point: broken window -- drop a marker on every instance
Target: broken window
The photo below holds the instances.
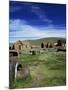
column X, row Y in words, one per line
column 19, row 47
column 19, row 67
column 13, row 54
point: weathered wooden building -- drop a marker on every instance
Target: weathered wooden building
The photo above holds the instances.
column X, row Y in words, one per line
column 20, row 45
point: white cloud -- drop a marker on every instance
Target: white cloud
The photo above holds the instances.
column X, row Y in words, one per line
column 40, row 13
column 16, row 24
column 34, row 8
column 20, row 30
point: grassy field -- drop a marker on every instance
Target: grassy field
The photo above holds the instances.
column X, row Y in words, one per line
column 46, row 69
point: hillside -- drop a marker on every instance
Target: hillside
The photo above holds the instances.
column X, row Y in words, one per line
column 45, row 40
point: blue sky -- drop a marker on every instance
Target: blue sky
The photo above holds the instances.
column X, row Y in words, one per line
column 36, row 20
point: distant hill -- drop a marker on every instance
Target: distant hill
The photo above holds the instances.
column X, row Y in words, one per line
column 45, row 40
